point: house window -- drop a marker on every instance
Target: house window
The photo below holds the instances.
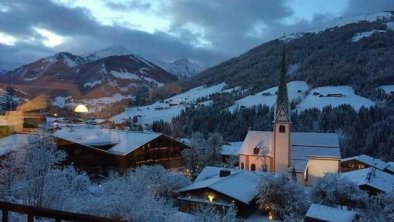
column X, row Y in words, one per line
column 242, row 166
column 282, row 129
column 253, row 167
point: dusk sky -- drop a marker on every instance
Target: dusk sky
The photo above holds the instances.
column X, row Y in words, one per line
column 205, row 31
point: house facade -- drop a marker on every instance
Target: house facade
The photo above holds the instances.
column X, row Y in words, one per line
column 98, row 151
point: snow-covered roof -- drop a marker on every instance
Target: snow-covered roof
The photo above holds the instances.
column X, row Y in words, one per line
column 240, row 185
column 231, row 148
column 123, row 142
column 12, row 143
column 303, row 145
column 331, row 214
column 379, row 180
column 373, row 162
column 256, row 138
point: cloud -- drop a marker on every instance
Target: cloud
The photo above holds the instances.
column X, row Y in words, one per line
column 205, row 31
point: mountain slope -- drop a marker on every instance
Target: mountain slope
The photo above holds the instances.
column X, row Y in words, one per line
column 328, row 57
column 182, row 68
column 116, row 50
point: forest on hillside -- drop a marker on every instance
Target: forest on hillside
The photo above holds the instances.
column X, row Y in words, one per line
column 369, row 131
column 325, row 58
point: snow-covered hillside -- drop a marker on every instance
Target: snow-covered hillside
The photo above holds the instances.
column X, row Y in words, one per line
column 182, row 68
column 387, row 88
column 169, row 108
column 333, row 96
column 296, row 89
column 115, row 50
column 342, row 21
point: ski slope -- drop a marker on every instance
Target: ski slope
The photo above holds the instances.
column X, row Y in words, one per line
column 296, row 89
column 319, row 98
column 169, row 108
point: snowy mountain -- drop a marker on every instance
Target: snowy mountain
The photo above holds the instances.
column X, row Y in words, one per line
column 116, row 50
column 182, row 68
column 69, row 78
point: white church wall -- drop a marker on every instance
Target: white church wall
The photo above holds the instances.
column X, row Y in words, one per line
column 318, row 166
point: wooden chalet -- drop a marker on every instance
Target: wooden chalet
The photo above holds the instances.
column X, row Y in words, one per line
column 98, row 151
column 364, row 161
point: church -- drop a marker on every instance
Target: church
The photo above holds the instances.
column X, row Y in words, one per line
column 305, row 156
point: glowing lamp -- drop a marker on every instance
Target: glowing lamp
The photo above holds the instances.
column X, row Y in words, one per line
column 81, row 109
column 270, row 215
column 210, row 197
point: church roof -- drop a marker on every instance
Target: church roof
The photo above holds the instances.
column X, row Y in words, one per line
column 303, row 145
column 282, row 99
column 256, row 138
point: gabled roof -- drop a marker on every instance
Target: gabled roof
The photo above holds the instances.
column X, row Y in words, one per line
column 231, row 148
column 373, row 162
column 13, row 142
column 240, row 185
column 256, row 138
column 325, row 213
column 379, row 180
column 123, row 142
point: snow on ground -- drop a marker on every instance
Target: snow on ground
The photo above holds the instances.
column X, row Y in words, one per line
column 387, row 88
column 60, row 101
column 92, row 84
column 390, row 25
column 348, row 20
column 296, row 89
column 358, row 36
column 319, row 98
column 125, row 75
column 169, row 108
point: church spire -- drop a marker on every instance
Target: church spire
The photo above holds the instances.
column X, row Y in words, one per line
column 282, row 100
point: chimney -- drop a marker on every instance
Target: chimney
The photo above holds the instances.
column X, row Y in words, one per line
column 224, row 172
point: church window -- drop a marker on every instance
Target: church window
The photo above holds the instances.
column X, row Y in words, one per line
column 253, row 167
column 282, row 129
column 242, row 166
column 256, row 150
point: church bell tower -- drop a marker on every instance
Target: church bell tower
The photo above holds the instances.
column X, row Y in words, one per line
column 282, row 123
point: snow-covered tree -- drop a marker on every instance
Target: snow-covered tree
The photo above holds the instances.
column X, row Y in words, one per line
column 332, row 190
column 282, row 197
column 139, row 195
column 211, row 214
column 38, row 159
column 379, row 208
column 196, row 156
column 215, row 142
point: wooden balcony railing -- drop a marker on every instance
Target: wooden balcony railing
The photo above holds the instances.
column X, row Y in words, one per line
column 57, row 215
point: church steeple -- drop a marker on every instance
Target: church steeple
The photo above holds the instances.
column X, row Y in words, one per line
column 282, row 99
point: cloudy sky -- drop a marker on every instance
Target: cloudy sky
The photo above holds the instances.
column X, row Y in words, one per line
column 206, row 31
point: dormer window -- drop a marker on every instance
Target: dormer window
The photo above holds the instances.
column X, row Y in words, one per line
column 256, row 150
column 282, row 129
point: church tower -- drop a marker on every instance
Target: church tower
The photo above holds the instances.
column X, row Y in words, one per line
column 282, row 124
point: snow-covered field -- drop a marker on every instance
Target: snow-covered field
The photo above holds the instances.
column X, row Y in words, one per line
column 319, row 98
column 362, row 35
column 169, row 108
column 296, row 89
column 387, row 88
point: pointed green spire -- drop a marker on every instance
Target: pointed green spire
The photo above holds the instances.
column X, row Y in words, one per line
column 282, row 99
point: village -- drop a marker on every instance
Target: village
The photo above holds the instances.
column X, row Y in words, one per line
column 249, row 178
